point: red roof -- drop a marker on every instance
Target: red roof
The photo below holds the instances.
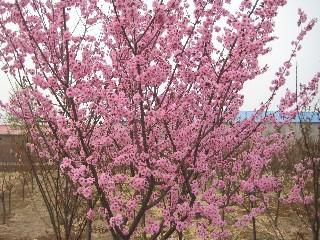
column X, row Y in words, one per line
column 8, row 130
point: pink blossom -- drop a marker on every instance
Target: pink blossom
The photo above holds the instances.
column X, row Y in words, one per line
column 90, row 214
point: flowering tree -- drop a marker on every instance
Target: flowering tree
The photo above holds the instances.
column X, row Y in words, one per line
column 138, row 105
column 304, row 195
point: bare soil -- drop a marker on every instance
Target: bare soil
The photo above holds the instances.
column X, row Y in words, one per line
column 29, row 220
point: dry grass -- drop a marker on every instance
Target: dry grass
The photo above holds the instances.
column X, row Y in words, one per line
column 29, row 220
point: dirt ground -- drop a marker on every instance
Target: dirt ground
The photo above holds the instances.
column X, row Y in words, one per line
column 29, row 220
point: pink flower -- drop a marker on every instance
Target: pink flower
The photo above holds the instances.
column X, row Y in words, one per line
column 90, row 214
column 302, row 17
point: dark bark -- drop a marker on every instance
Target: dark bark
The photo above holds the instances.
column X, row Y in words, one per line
column 2, row 196
column 89, row 221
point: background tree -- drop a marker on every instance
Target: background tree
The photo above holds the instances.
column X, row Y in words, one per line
column 304, row 194
column 66, row 209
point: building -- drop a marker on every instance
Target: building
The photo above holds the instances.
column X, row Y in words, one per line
column 9, row 144
column 309, row 121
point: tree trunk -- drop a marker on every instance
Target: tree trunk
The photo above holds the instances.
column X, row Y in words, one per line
column 254, row 230
column 277, row 211
column 3, row 208
column 23, row 184
column 32, row 182
column 89, row 221
column 315, row 233
column 10, row 201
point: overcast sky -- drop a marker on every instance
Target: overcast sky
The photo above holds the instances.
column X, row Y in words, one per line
column 308, row 58
column 256, row 91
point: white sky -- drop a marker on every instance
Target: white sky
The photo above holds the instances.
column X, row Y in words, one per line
column 308, row 58
column 257, row 91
